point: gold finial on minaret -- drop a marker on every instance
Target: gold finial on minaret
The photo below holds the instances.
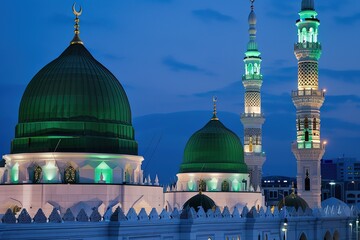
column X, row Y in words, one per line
column 214, row 111
column 76, row 39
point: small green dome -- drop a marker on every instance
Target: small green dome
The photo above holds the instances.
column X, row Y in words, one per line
column 200, row 200
column 293, row 200
column 214, row 148
column 74, row 104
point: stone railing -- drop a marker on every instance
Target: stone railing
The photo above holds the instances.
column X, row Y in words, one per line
column 255, row 115
column 307, row 45
column 309, row 92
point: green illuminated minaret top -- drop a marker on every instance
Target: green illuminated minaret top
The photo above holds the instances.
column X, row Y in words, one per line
column 308, row 49
column 252, row 48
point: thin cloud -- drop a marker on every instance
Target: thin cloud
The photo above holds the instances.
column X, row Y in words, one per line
column 210, row 15
column 178, row 66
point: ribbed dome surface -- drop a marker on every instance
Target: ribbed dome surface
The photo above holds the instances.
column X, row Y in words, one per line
column 200, row 200
column 214, row 148
column 76, row 99
column 307, row 5
column 295, row 201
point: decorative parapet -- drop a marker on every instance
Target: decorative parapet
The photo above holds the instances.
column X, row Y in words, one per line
column 307, row 46
column 189, row 213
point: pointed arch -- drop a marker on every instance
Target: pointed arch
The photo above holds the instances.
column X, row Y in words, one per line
column 314, row 124
column 15, row 173
column 303, row 237
column 37, row 174
column 250, row 69
column 336, row 235
column 225, row 186
column 307, row 181
column 202, row 185
column 306, row 122
column 103, row 173
column 327, row 236
column 306, row 136
column 70, row 174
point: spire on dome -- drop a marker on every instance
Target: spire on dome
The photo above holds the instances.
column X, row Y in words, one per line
column 76, row 39
column 214, row 111
column 307, row 5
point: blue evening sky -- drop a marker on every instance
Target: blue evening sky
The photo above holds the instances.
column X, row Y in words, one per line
column 172, row 56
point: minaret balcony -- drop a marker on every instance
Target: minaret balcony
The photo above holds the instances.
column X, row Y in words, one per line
column 309, row 98
column 252, row 115
column 308, row 92
column 252, row 77
column 308, row 145
column 307, row 46
column 252, row 119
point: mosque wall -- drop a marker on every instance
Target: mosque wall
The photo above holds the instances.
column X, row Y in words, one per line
column 77, row 196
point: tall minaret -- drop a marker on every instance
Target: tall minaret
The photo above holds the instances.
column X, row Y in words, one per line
column 308, row 99
column 253, row 118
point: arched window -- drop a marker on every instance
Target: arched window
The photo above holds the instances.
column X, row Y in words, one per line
column 303, row 35
column 70, row 174
column 225, row 186
column 250, row 144
column 327, row 236
column 306, row 135
column 314, row 124
column 250, row 69
column 307, row 181
column 311, row 35
column 37, row 174
column 256, row 68
column 306, row 123
column 336, row 235
column 202, row 185
column 303, row 236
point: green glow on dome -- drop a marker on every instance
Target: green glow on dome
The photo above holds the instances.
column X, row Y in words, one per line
column 106, row 171
column 74, row 104
column 214, row 148
column 15, row 173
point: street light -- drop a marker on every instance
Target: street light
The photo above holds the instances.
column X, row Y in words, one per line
column 284, row 228
column 350, row 225
column 357, row 229
column 332, row 190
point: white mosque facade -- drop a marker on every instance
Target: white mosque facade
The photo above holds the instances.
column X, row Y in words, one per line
column 74, row 171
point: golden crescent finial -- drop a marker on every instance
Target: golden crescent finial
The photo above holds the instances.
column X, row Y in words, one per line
column 76, row 13
column 214, row 111
column 76, row 38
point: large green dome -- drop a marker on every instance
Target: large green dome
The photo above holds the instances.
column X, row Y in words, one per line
column 74, row 104
column 214, row 148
